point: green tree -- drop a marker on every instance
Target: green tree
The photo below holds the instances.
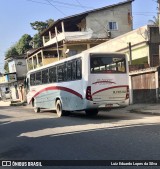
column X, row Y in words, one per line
column 50, row 22
column 155, row 21
column 12, row 51
column 23, row 44
column 36, row 41
column 40, row 25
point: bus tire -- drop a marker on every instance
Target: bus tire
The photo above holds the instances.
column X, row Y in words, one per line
column 36, row 109
column 91, row 112
column 59, row 110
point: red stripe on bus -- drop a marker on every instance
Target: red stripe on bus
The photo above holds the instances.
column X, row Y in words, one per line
column 108, row 89
column 58, row 88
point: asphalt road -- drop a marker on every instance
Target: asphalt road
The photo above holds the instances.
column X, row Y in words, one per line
column 114, row 135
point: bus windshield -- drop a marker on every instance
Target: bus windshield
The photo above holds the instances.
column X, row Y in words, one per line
column 107, row 63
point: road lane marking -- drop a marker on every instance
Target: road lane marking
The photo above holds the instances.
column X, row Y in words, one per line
column 65, row 130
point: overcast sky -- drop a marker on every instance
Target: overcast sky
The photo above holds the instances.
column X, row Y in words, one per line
column 16, row 15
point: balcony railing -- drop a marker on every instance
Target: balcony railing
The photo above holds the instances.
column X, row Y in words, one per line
column 69, row 36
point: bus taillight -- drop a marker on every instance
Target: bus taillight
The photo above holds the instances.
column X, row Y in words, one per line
column 127, row 94
column 88, row 93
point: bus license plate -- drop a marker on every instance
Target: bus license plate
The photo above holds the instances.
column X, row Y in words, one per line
column 109, row 105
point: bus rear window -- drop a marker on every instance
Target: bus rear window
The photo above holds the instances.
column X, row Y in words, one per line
column 110, row 63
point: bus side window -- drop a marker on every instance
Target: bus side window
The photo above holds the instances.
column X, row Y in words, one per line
column 52, row 75
column 32, row 79
column 69, row 71
column 38, row 78
column 60, row 73
column 74, row 70
column 78, row 69
column 45, row 76
column 65, row 72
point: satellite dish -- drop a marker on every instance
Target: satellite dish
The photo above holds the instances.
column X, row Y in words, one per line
column 67, row 51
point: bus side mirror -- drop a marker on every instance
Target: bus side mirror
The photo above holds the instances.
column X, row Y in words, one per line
column 26, row 85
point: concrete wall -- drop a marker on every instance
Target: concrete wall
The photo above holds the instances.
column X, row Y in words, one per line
column 98, row 21
column 79, row 48
column 3, row 79
column 21, row 67
column 140, row 52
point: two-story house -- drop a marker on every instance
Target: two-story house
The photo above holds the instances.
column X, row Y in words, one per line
column 15, row 77
column 74, row 34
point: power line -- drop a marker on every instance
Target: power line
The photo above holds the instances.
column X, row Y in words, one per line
column 62, row 4
column 144, row 12
column 79, row 3
column 69, row 4
column 142, row 15
column 82, row 6
column 55, row 7
column 38, row 2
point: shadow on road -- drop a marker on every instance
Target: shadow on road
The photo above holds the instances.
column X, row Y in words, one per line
column 110, row 135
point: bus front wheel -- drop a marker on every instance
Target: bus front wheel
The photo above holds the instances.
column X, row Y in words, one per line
column 36, row 109
column 59, row 109
column 91, row 112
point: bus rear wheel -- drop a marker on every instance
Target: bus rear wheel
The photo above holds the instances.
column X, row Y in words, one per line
column 59, row 110
column 91, row 112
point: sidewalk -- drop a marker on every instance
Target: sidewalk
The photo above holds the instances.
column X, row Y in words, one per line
column 5, row 103
column 12, row 103
column 148, row 108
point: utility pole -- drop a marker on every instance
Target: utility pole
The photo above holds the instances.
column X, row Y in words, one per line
column 130, row 53
column 158, row 1
column 57, row 42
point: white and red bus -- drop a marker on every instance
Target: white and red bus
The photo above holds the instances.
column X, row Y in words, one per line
column 86, row 81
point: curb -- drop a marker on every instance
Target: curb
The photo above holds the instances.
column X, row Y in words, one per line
column 18, row 104
column 142, row 112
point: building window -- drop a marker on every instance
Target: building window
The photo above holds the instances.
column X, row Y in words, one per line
column 113, row 25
